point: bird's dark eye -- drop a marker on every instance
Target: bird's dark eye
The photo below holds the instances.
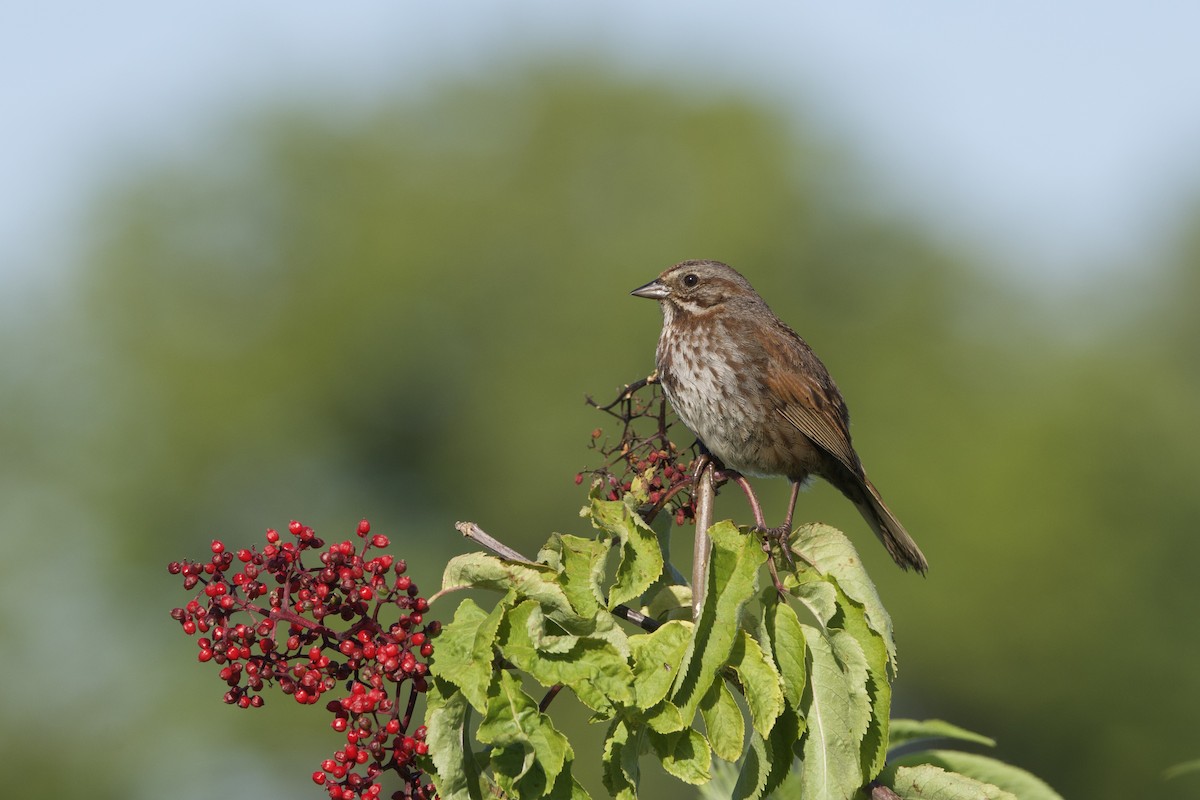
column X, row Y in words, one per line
column 690, row 280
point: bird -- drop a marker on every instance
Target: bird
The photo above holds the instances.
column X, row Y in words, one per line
column 758, row 398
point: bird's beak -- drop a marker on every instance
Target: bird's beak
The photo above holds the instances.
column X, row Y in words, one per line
column 654, row 290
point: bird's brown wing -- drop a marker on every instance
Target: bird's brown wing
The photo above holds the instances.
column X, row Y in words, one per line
column 811, row 402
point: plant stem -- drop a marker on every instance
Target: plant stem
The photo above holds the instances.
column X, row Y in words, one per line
column 700, row 553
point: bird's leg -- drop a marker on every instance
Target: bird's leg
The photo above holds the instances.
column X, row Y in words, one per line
column 787, row 521
column 760, row 524
column 784, row 532
column 756, row 509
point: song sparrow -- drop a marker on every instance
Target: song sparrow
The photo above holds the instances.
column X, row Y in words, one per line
column 756, row 395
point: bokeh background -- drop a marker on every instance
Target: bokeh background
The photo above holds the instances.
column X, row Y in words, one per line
column 276, row 261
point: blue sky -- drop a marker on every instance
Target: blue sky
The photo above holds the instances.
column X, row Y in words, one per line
column 1061, row 137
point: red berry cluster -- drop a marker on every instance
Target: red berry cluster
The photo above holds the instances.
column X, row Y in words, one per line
column 355, row 619
column 644, row 445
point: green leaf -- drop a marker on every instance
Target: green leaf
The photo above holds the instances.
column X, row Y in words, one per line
column 684, row 754
column 665, row 718
column 723, row 722
column 878, row 687
column 904, row 731
column 769, row 761
column 782, row 745
column 732, row 581
column 581, row 563
column 641, row 560
column 592, row 668
column 528, row 748
column 1008, row 781
column 759, row 680
column 787, row 644
column 446, row 714
column 756, row 769
column 567, row 787
column 818, row 595
column 927, row 782
column 535, row 581
column 621, row 771
column 656, row 660
column 838, row 713
column 464, row 652
column 667, row 598
column 831, row 553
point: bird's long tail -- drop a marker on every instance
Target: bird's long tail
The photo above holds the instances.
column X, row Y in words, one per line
column 899, row 544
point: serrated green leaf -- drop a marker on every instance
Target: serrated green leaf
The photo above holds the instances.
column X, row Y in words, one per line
column 656, row 660
column 621, row 770
column 446, row 714
column 464, row 651
column 760, row 682
column 878, row 688
column 831, row 553
column 641, row 561
column 732, row 580
column 837, row 713
column 783, row 745
column 787, row 643
column 581, row 563
column 928, row 782
column 684, row 754
column 592, row 668
column 528, row 748
column 567, row 787
column 667, row 598
column 1007, row 780
column 756, row 768
column 723, row 722
column 904, row 731
column 818, row 595
column 535, row 581
column 602, row 626
column 664, row 718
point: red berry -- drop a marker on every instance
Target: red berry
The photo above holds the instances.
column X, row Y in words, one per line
column 364, row 527
column 318, row 778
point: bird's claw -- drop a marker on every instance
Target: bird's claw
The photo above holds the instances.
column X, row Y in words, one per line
column 779, row 536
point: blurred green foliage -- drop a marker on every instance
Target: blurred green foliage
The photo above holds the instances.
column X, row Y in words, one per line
column 395, row 312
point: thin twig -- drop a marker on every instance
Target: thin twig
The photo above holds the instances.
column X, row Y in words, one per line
column 478, row 534
column 549, row 698
column 626, row 393
column 881, row 792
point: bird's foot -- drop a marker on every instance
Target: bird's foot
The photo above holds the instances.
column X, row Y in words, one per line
column 780, row 536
